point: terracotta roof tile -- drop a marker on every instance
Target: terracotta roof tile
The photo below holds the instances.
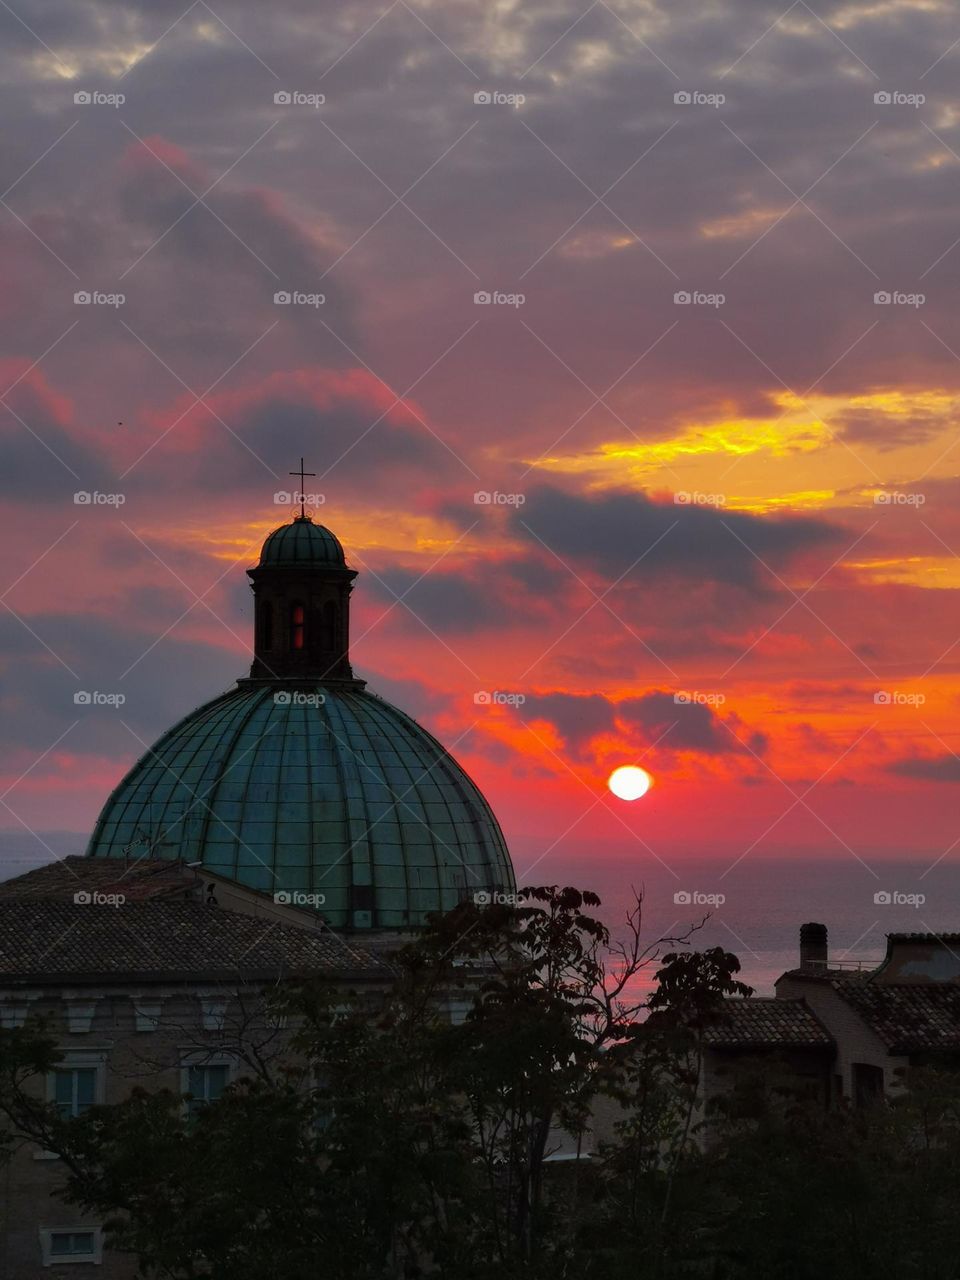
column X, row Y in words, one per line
column 908, row 1017
column 139, row 879
column 763, row 1021
column 44, row 939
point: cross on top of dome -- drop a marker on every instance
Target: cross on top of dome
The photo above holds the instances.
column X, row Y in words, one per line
column 303, row 475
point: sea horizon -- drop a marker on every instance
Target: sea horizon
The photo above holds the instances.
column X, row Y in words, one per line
column 754, row 909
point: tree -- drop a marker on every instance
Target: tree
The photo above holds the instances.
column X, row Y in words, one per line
column 397, row 1141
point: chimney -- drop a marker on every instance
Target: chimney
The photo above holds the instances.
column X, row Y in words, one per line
column 813, row 947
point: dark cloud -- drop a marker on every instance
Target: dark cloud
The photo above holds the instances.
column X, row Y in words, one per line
column 674, row 723
column 683, row 723
column 577, row 719
column 43, row 461
column 623, row 533
column 486, row 595
column 37, row 691
column 945, row 768
column 888, row 431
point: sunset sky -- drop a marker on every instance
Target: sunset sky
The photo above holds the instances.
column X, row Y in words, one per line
column 751, row 498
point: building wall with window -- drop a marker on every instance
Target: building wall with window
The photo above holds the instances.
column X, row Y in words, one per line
column 863, row 1065
column 191, row 1039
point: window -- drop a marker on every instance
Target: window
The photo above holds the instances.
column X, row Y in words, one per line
column 297, row 626
column 205, row 1082
column 867, row 1084
column 265, row 625
column 80, row 1015
column 70, row 1244
column 330, row 626
column 147, row 1014
column 75, row 1085
column 74, row 1090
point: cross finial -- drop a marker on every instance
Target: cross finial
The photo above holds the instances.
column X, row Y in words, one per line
column 303, row 475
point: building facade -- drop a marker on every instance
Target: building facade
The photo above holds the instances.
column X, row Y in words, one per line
column 296, row 827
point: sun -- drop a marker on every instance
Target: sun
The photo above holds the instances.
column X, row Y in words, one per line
column 629, row 782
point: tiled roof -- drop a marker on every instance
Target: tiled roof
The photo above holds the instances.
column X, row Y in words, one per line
column 137, row 880
column 923, row 937
column 832, row 975
column 44, row 939
column 765, row 1021
column 908, row 1017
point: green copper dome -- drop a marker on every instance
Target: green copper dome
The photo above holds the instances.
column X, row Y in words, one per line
column 302, row 542
column 300, row 783
column 317, row 791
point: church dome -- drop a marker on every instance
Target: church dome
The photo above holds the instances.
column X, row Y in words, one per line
column 303, row 542
column 317, row 792
column 299, row 782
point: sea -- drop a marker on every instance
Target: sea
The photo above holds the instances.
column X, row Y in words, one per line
column 753, row 909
